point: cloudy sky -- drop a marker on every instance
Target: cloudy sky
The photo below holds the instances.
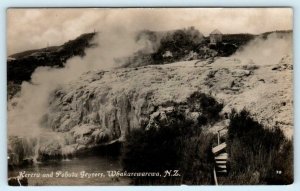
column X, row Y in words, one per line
column 35, row 28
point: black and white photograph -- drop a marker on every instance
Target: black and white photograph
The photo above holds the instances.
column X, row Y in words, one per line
column 150, row 96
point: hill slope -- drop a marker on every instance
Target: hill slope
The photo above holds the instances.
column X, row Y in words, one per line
column 20, row 66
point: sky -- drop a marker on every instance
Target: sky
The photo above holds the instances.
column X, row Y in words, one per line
column 36, row 28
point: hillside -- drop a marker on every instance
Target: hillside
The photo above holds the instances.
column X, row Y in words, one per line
column 21, row 65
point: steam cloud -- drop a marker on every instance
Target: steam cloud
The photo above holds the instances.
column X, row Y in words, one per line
column 266, row 51
column 114, row 39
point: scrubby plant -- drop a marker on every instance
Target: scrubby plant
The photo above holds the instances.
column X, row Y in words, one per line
column 206, row 105
column 176, row 147
column 179, row 43
column 258, row 155
column 180, row 144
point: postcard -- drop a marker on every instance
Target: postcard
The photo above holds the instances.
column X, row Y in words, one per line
column 150, row 96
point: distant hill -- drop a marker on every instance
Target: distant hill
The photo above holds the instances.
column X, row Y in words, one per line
column 21, row 65
column 21, row 55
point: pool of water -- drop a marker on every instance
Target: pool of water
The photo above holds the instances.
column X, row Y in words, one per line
column 84, row 170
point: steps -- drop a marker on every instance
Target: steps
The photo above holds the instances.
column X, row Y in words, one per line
column 222, row 166
column 221, row 157
column 219, row 148
column 221, row 163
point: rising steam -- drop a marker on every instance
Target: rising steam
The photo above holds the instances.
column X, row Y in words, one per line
column 26, row 111
column 268, row 50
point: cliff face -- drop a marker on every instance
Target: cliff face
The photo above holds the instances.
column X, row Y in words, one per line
column 103, row 106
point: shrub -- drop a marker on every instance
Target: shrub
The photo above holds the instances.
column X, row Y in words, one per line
column 257, row 151
column 170, row 148
column 179, row 43
column 206, row 105
column 180, row 144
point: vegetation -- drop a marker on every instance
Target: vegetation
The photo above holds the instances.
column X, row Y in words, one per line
column 237, row 39
column 207, row 105
column 12, row 89
column 179, row 43
column 187, row 44
column 180, row 144
column 183, row 44
column 278, row 33
column 257, row 155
